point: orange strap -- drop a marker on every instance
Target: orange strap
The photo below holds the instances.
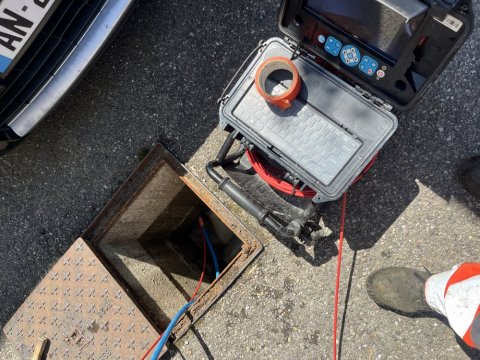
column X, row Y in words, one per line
column 284, row 100
column 464, row 272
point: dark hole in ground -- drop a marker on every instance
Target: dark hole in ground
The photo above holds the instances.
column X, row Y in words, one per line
column 175, row 242
column 161, row 257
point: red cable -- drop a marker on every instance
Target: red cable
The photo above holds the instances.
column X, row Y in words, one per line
column 274, row 182
column 287, row 188
column 152, row 347
column 200, row 281
column 195, row 292
column 339, row 269
column 284, row 186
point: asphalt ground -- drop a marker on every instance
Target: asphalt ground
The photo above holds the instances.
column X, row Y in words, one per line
column 159, row 81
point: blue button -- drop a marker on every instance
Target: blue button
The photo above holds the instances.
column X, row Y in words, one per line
column 332, row 46
column 368, row 66
column 350, row 55
column 321, row 39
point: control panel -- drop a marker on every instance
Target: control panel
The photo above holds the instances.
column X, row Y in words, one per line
column 369, row 66
column 351, row 57
column 392, row 49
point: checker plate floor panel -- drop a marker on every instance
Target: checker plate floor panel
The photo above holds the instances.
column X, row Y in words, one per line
column 83, row 311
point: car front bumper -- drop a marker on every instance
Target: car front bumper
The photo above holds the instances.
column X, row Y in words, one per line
column 73, row 67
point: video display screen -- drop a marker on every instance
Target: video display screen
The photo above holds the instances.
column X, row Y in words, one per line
column 372, row 22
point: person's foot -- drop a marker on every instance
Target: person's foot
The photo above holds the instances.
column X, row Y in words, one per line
column 399, row 289
column 469, row 173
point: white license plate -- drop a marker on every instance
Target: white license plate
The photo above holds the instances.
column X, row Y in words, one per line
column 18, row 21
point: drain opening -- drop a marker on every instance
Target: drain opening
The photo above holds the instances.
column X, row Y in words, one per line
column 162, row 266
column 175, row 243
column 149, row 236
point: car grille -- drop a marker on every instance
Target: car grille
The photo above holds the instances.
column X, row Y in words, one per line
column 45, row 54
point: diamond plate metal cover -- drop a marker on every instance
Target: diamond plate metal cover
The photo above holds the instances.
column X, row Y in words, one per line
column 83, row 311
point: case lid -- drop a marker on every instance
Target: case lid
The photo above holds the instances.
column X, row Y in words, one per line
column 325, row 139
column 394, row 49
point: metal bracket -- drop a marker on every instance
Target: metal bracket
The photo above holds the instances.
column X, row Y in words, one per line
column 293, row 180
column 375, row 100
column 298, row 49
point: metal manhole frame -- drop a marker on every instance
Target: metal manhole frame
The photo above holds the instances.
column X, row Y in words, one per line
column 160, row 156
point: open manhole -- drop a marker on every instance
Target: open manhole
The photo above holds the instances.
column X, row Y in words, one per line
column 148, row 240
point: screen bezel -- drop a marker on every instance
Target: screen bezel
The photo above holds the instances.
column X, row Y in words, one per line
column 303, row 30
column 391, row 59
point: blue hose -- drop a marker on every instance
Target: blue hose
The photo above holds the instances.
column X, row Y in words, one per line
column 167, row 332
column 170, row 327
column 211, row 249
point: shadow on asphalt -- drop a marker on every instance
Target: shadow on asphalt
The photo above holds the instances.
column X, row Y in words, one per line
column 380, row 198
column 473, row 354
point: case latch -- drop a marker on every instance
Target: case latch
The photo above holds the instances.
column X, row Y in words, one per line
column 375, row 100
